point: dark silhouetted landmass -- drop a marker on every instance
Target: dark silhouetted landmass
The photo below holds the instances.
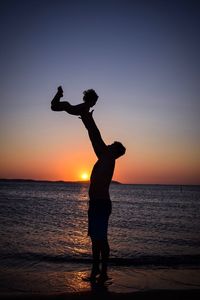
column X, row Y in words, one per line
column 50, row 181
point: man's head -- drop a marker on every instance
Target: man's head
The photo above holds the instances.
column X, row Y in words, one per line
column 90, row 97
column 117, row 149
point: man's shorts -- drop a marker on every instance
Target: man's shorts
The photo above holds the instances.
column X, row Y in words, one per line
column 98, row 216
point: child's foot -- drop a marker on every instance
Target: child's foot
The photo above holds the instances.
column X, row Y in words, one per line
column 60, row 91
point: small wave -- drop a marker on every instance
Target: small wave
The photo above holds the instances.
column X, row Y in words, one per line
column 143, row 260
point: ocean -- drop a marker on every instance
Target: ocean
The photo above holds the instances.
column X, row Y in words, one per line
column 44, row 227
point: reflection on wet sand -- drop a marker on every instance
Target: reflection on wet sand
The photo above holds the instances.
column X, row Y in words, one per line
column 70, row 280
column 77, row 281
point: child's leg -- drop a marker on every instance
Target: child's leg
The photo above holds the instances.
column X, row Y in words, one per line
column 55, row 103
column 60, row 106
column 77, row 110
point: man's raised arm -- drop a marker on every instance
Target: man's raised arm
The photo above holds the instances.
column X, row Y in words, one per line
column 97, row 142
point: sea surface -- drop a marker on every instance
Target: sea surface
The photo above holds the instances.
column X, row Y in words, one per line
column 154, row 234
column 150, row 225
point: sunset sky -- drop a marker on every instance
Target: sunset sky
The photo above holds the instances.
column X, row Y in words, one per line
column 141, row 57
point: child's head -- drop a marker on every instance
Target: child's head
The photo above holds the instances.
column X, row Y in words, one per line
column 90, row 97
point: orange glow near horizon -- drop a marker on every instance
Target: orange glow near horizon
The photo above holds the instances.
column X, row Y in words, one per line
column 51, row 157
column 85, row 176
column 126, row 171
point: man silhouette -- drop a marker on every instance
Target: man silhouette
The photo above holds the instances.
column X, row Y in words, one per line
column 100, row 204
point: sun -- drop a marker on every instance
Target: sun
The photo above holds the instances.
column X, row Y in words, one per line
column 85, row 176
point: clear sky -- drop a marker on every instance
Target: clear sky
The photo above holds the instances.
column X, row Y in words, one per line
column 141, row 57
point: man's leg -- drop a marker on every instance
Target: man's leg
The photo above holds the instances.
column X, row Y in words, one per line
column 96, row 258
column 105, row 251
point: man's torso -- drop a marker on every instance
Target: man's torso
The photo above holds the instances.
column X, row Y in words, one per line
column 101, row 178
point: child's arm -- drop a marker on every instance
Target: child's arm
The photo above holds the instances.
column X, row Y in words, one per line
column 97, row 142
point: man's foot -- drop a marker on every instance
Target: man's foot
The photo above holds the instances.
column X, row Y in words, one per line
column 102, row 278
column 95, row 272
column 89, row 279
column 92, row 277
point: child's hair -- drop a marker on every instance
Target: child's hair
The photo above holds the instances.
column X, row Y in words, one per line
column 90, row 96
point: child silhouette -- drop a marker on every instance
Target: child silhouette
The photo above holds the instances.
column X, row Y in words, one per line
column 89, row 100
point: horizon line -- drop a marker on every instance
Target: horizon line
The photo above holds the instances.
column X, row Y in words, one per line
column 88, row 181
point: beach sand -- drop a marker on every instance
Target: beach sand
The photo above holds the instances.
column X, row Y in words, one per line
column 126, row 282
column 154, row 294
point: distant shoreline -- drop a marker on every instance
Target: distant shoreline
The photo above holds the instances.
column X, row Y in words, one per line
column 87, row 182
column 50, row 181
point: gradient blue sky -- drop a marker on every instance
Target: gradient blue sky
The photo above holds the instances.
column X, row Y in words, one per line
column 141, row 57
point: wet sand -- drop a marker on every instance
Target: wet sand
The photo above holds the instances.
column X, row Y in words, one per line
column 126, row 282
column 152, row 294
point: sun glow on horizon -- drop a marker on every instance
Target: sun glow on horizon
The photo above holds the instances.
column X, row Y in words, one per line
column 85, row 176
